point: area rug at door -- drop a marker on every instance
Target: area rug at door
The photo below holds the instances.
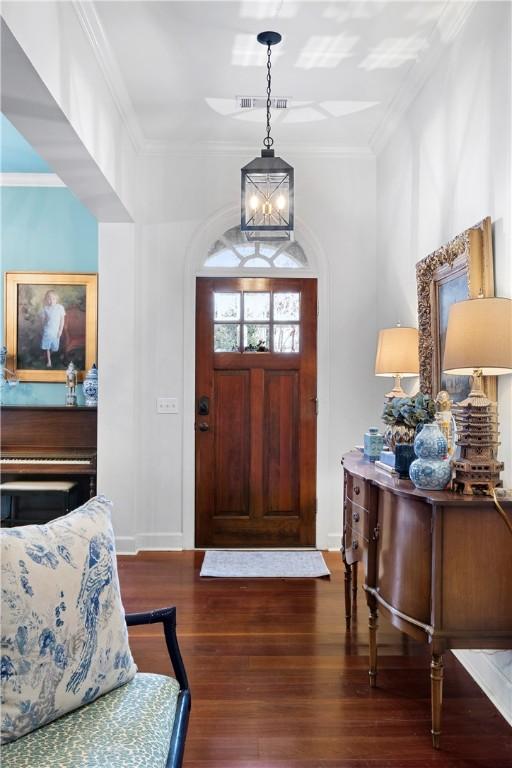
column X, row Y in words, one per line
column 236, row 564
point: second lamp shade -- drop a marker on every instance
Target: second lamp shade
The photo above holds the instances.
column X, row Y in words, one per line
column 397, row 352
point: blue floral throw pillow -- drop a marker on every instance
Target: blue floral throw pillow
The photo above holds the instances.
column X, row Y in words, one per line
column 64, row 638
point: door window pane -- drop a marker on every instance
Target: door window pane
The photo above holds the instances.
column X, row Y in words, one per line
column 227, row 306
column 256, row 262
column 256, row 306
column 226, row 337
column 224, row 258
column 283, row 261
column 286, row 338
column 286, row 306
column 256, row 338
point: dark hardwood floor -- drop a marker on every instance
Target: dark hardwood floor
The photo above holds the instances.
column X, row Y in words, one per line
column 277, row 682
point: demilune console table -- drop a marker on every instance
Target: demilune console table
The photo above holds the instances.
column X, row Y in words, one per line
column 438, row 563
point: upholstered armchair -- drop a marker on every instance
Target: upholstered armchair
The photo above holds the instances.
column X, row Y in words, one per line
column 71, row 693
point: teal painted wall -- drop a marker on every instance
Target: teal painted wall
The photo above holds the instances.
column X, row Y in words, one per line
column 44, row 229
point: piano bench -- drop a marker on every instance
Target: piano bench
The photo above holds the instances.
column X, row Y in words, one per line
column 17, row 489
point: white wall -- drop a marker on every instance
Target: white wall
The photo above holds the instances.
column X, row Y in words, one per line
column 118, row 376
column 447, row 166
column 183, row 195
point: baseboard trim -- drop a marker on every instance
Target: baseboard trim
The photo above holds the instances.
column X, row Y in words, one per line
column 333, row 542
column 491, row 679
column 125, row 545
column 152, row 542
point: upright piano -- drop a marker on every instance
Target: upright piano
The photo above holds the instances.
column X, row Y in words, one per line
column 50, row 442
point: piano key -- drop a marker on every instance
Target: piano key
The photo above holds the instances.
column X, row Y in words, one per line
column 44, row 461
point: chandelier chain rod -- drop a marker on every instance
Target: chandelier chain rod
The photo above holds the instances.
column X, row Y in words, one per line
column 268, row 140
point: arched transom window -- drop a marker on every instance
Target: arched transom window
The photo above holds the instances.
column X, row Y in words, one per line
column 234, row 251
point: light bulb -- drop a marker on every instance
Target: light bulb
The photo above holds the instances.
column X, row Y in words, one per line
column 281, row 202
column 253, row 202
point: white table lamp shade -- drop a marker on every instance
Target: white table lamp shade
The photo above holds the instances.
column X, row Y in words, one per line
column 397, row 352
column 479, row 336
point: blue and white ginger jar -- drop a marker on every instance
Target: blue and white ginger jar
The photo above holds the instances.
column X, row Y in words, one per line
column 90, row 387
column 432, row 469
column 373, row 444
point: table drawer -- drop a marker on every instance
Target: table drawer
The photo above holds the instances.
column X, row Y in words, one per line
column 357, row 518
column 356, row 530
column 358, row 491
column 355, row 545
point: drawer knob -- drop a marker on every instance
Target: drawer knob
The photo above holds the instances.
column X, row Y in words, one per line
column 357, row 490
column 355, row 517
column 355, row 544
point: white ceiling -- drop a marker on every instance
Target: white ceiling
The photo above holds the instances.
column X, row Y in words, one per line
column 178, row 66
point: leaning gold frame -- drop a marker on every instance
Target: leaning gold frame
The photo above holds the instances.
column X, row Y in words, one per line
column 11, row 282
column 469, row 253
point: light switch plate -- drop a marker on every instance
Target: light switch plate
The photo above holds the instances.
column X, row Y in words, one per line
column 167, row 405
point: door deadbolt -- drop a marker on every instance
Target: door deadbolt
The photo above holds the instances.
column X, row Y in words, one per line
column 203, row 406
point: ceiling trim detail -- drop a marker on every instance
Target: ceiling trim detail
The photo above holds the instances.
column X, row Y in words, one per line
column 450, row 22
column 109, row 67
column 30, row 180
column 228, row 149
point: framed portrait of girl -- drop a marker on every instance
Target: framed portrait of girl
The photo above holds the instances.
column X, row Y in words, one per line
column 50, row 321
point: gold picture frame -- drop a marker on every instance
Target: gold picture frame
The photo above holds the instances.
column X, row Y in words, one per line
column 38, row 303
column 461, row 269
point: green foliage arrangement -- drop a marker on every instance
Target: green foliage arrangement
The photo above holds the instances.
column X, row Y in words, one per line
column 410, row 411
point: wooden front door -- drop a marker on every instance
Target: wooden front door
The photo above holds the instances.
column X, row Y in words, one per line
column 255, row 415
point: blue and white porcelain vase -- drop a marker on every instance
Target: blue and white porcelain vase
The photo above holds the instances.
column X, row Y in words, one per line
column 373, row 444
column 90, row 387
column 432, row 469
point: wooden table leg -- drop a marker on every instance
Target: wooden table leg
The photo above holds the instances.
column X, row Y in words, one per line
column 354, row 580
column 348, row 578
column 372, row 626
column 436, row 693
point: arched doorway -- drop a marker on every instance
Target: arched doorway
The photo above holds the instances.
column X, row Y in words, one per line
column 255, row 408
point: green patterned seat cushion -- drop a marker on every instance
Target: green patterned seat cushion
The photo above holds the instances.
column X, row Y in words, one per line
column 129, row 727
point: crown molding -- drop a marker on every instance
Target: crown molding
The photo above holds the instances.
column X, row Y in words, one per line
column 452, row 19
column 107, row 62
column 450, row 22
column 228, row 149
column 30, row 180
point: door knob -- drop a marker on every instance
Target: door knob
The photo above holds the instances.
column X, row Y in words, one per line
column 204, row 427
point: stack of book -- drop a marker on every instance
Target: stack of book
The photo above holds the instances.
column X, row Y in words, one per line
column 386, row 468
column 388, row 458
column 386, row 463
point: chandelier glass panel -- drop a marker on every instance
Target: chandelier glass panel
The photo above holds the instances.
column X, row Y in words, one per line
column 267, row 181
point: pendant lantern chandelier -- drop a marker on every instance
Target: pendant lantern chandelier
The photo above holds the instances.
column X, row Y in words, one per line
column 267, row 181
